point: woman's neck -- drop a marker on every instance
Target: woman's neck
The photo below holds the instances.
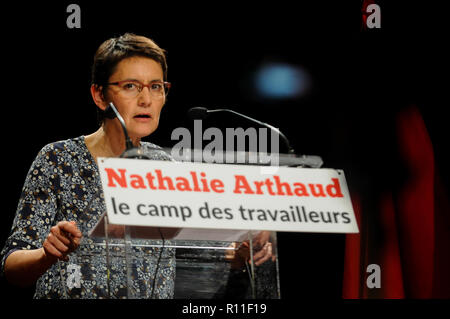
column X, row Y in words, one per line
column 107, row 141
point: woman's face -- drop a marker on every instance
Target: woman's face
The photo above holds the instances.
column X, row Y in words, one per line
column 141, row 112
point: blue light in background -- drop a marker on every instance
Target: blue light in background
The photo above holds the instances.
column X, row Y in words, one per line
column 281, row 81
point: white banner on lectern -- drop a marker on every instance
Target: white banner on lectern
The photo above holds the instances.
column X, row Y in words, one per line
column 222, row 196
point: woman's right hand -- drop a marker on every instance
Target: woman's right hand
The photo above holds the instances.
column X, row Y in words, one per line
column 62, row 239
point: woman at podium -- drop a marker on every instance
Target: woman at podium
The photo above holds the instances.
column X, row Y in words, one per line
column 61, row 202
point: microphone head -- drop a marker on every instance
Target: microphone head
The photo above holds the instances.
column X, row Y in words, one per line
column 197, row 113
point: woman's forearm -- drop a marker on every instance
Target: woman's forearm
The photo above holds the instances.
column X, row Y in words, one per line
column 24, row 267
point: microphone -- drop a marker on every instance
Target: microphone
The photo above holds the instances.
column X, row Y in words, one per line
column 114, row 114
column 200, row 113
column 130, row 151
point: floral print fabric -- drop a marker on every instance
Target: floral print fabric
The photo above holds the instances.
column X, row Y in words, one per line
column 63, row 183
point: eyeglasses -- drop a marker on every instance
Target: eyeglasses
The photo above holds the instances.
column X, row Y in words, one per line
column 132, row 88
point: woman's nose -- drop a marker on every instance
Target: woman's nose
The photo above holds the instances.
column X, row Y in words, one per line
column 145, row 97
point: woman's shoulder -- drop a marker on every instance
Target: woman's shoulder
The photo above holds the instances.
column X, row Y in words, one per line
column 67, row 145
column 76, row 147
column 69, row 149
column 155, row 152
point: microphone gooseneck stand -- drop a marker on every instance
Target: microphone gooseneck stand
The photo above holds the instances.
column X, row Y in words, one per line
column 132, row 152
column 290, row 159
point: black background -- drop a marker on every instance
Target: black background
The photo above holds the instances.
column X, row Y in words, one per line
column 360, row 80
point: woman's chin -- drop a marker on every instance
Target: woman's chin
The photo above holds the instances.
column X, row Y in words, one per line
column 139, row 134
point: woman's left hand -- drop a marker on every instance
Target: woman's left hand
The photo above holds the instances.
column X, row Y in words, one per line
column 262, row 247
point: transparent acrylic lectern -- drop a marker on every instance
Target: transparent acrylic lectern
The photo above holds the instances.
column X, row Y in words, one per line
column 207, row 263
column 118, row 261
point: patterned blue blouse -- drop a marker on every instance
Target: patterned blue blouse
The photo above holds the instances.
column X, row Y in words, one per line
column 63, row 183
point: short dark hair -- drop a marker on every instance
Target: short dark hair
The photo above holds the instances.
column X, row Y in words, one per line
column 114, row 50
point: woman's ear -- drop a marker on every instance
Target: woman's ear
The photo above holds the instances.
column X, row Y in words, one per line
column 98, row 96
